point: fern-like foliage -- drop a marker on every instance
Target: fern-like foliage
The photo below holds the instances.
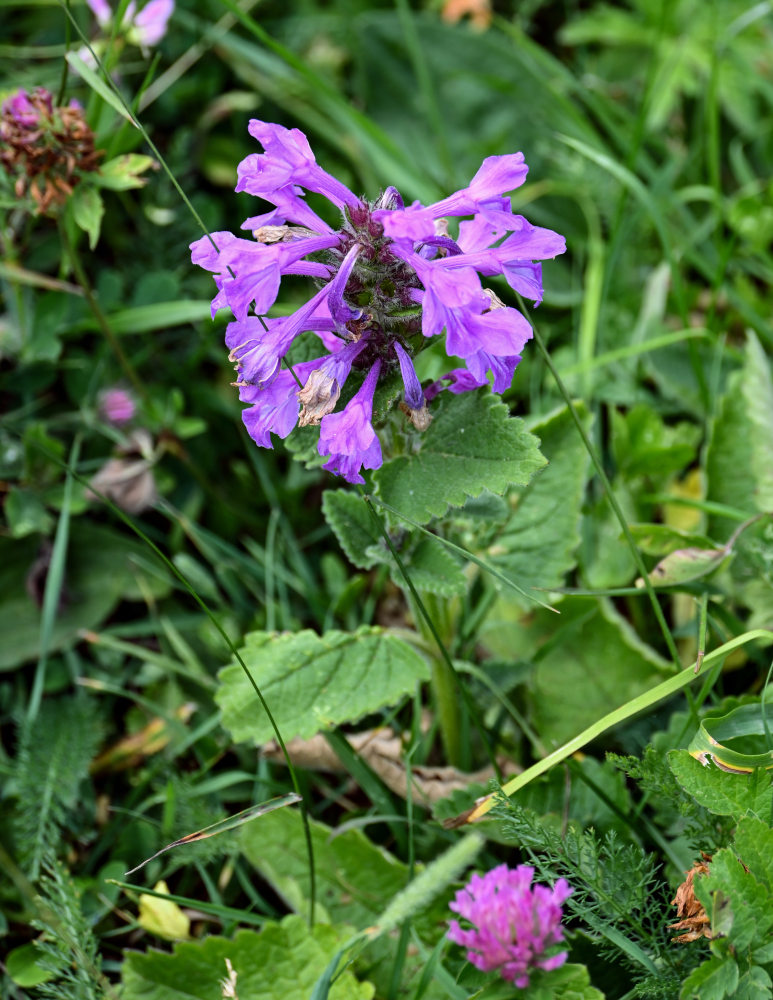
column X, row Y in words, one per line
column 675, row 810
column 67, row 945
column 618, row 895
column 52, row 762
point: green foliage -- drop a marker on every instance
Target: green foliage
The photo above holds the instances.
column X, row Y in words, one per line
column 356, row 881
column 51, row 768
column 720, row 792
column 737, row 893
column 615, row 884
column 67, row 946
column 283, row 961
column 647, row 129
column 574, row 681
column 431, row 566
column 313, row 682
column 103, row 567
column 537, row 543
column 472, row 444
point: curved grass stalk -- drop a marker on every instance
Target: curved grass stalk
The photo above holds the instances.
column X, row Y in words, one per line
column 614, row 718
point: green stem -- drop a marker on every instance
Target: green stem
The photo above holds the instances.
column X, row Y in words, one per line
column 423, row 614
column 444, row 689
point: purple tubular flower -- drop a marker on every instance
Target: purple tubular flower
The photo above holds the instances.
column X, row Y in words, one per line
column 348, row 437
column 259, row 269
column 515, row 926
column 388, row 279
column 144, row 28
column 274, row 408
column 323, row 387
column 150, row 24
column 414, row 397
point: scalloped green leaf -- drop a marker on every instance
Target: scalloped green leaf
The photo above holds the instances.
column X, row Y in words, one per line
column 281, row 962
column 538, row 542
column 433, row 568
column 713, row 980
column 721, row 792
column 754, row 843
column 430, row 565
column 353, row 526
column 735, row 899
column 472, row 444
column 313, row 682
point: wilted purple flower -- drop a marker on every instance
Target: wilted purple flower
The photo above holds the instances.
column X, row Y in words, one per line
column 143, row 28
column 388, row 279
column 516, row 926
column 45, row 149
column 117, row 406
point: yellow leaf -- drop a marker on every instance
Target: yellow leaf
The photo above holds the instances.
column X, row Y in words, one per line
column 163, row 917
column 684, row 518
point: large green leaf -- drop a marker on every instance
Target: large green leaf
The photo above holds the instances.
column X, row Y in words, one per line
column 355, row 882
column 741, row 907
column 739, row 460
column 539, row 540
column 714, row 980
column 586, row 661
column 754, row 843
column 430, row 565
column 757, row 389
column 720, row 792
column 592, row 663
column 312, row 682
column 282, row 962
column 102, row 567
column 472, row 444
column 355, row 879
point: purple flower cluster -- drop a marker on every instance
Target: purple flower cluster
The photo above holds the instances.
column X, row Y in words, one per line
column 389, row 279
column 515, row 925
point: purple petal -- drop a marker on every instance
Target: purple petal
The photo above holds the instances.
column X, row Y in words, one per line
column 289, row 160
column 274, row 407
column 496, row 176
column 348, row 437
column 501, row 332
column 340, row 310
column 101, row 11
column 414, row 224
column 150, row 24
column 414, row 397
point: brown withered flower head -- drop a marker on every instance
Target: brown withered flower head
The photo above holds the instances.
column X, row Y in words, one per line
column 694, row 920
column 45, row 149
